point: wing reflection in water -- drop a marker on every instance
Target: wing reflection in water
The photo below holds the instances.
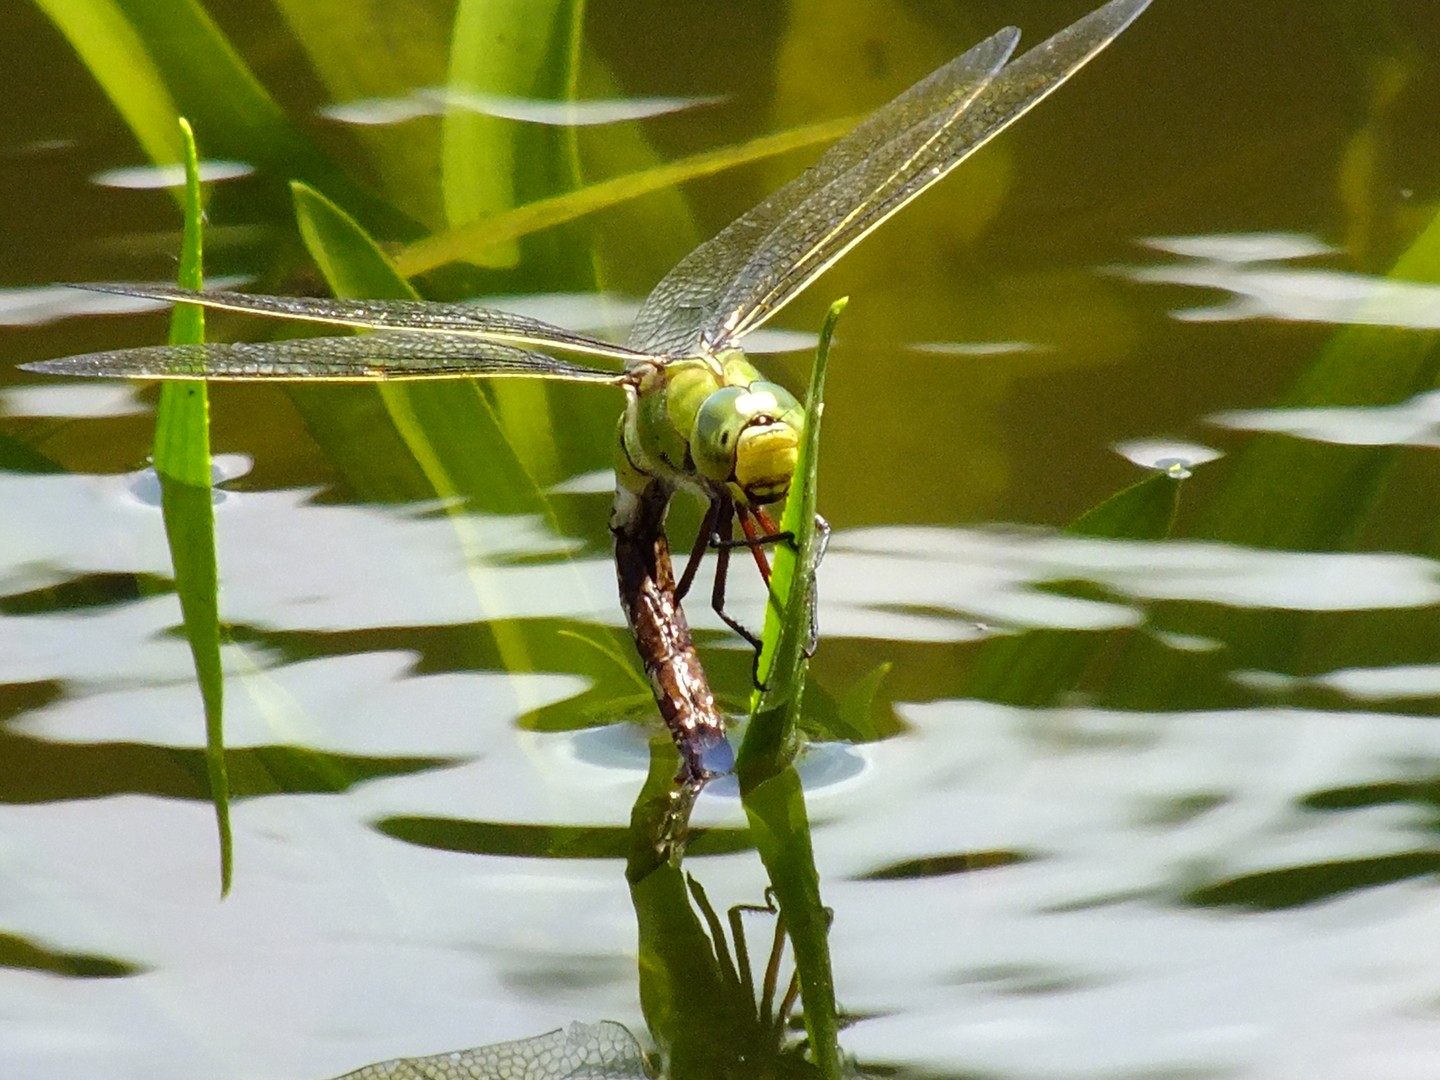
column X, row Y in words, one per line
column 602, row 1051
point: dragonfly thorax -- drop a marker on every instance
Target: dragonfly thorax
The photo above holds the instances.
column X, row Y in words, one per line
column 713, row 424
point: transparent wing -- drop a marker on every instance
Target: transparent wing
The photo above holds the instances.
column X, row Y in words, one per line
column 386, row 354
column 683, row 306
column 732, row 284
column 603, row 1051
column 419, row 316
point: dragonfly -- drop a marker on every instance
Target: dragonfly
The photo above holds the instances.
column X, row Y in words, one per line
column 699, row 416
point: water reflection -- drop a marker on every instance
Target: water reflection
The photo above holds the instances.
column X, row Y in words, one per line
column 1166, row 455
column 1124, row 816
column 1409, row 423
column 1393, row 683
column 436, row 101
column 603, row 1051
column 158, row 177
column 1246, row 267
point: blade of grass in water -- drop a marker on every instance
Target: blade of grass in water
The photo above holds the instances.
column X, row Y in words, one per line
column 769, row 784
column 116, row 55
column 386, row 54
column 182, row 460
column 501, row 47
column 1291, row 494
column 473, row 239
column 1037, row 667
column 450, row 430
column 154, row 58
column 490, row 165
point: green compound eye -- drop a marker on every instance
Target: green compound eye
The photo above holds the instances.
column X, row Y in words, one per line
column 717, row 433
column 749, row 436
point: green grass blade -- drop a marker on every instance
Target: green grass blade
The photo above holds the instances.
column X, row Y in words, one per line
column 449, row 429
column 789, row 616
column 769, row 785
column 157, row 58
column 19, row 457
column 780, row 828
column 689, row 1008
column 470, row 241
column 182, row 460
column 1038, row 667
column 116, row 55
column 1143, row 511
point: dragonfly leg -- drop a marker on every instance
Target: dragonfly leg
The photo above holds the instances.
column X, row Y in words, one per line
column 723, row 547
column 754, row 539
column 704, row 539
column 771, row 981
column 758, row 540
column 773, row 535
column 742, row 950
column 730, row 971
column 760, row 529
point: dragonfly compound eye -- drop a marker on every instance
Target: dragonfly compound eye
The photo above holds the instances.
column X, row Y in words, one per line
column 749, row 436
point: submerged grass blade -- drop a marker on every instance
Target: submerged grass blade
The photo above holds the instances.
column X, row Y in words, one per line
column 116, row 55
column 157, row 58
column 1290, row 494
column 489, row 164
column 499, row 47
column 450, row 430
column 384, row 55
column 182, row 460
column 1038, row 667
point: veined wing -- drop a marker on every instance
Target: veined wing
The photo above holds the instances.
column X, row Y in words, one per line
column 386, row 354
column 602, row 1051
column 682, row 308
column 734, row 283
column 418, row 316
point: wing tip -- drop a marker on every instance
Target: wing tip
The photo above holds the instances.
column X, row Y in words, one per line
column 48, row 367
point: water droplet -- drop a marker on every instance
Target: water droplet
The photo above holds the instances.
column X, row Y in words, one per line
column 1175, row 468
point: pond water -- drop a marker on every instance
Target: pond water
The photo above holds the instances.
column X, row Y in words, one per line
column 1124, row 804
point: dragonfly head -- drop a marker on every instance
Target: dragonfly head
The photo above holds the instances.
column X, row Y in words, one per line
column 748, row 438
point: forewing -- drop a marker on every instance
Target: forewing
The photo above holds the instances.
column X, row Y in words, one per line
column 772, row 253
column 387, row 354
column 684, row 305
column 882, row 182
column 420, row 316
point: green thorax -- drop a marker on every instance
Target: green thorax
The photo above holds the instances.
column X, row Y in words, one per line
column 711, row 424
